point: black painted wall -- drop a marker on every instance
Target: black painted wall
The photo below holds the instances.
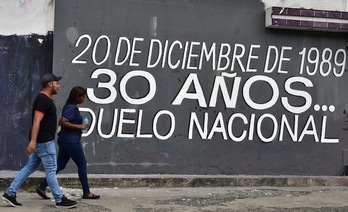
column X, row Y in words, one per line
column 289, row 105
column 23, row 60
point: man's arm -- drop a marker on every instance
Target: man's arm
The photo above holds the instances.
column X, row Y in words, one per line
column 34, row 132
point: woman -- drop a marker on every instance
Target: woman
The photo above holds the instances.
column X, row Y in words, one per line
column 69, row 142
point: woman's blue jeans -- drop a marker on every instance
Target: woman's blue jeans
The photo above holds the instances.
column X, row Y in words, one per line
column 45, row 153
column 75, row 152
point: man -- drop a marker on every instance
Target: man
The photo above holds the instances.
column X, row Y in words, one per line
column 41, row 147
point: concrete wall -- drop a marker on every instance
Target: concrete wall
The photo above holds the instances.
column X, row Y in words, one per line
column 148, row 145
column 340, row 5
column 26, row 48
column 25, row 17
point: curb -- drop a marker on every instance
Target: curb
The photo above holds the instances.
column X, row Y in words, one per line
column 170, row 181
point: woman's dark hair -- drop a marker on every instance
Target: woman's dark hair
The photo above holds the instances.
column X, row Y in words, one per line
column 75, row 93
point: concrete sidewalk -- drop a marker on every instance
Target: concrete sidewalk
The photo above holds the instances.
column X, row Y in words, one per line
column 207, row 199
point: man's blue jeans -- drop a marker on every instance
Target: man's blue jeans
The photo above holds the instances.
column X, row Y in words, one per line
column 45, row 153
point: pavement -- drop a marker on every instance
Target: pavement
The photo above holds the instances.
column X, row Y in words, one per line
column 145, row 193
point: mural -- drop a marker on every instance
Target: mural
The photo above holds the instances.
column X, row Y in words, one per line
column 201, row 87
column 23, row 60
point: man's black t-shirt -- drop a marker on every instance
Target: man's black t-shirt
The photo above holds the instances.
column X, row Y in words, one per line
column 48, row 125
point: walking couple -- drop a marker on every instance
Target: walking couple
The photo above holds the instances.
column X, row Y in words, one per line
column 41, row 148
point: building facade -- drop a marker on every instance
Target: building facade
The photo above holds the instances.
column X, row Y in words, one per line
column 185, row 87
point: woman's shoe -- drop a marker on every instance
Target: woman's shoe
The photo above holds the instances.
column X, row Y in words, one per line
column 85, row 196
column 42, row 194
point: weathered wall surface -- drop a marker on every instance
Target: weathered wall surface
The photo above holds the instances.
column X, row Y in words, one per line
column 198, row 87
column 25, row 17
column 23, row 59
column 340, row 5
column 26, row 47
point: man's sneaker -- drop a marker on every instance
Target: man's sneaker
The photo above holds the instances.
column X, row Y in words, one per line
column 66, row 203
column 10, row 200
